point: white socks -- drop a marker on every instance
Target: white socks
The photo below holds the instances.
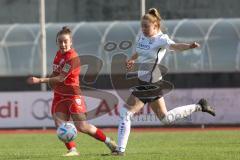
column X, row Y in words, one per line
column 107, row 140
column 73, row 149
column 124, row 128
column 179, row 113
column 171, row 116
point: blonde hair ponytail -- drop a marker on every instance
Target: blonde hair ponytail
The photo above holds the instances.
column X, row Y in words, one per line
column 154, row 12
column 153, row 16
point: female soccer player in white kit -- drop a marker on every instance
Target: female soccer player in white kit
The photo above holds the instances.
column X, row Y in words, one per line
column 151, row 45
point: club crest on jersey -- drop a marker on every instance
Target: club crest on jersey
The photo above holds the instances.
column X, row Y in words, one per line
column 61, row 62
column 151, row 41
column 78, row 101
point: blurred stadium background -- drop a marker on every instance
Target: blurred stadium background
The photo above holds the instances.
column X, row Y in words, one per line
column 211, row 71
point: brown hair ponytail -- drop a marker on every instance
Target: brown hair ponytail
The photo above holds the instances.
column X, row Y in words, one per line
column 64, row 30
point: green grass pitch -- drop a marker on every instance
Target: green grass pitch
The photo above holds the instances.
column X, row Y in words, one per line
column 180, row 145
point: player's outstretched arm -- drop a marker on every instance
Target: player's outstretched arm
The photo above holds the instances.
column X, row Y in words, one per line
column 33, row 80
column 184, row 46
column 53, row 80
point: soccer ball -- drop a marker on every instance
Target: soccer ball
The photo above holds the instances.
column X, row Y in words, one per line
column 67, row 132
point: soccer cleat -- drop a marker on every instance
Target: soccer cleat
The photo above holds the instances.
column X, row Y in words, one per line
column 71, row 153
column 206, row 107
column 112, row 145
column 118, row 153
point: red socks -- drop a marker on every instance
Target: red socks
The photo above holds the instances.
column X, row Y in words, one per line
column 100, row 135
column 70, row 145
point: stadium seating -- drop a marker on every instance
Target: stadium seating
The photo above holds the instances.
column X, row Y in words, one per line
column 219, row 38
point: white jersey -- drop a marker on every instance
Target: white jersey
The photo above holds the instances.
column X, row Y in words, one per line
column 151, row 51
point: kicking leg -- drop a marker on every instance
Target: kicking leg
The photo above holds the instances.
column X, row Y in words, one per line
column 167, row 117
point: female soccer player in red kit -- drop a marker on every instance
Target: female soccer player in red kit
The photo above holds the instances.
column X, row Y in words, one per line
column 68, row 101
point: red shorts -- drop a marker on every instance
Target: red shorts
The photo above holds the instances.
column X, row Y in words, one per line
column 68, row 104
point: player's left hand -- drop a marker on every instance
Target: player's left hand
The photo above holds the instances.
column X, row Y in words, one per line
column 194, row 45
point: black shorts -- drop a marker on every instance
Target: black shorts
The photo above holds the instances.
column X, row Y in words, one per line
column 149, row 92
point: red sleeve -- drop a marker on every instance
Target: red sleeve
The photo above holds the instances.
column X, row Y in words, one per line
column 55, row 62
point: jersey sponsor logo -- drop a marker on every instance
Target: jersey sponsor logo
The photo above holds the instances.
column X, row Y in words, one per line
column 143, row 46
column 66, row 68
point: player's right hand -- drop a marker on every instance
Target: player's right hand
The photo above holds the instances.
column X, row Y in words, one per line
column 33, row 80
column 130, row 64
column 194, row 45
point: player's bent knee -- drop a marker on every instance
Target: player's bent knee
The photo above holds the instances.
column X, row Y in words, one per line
column 82, row 128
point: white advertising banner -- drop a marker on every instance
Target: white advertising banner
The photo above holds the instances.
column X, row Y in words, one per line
column 33, row 109
column 25, row 109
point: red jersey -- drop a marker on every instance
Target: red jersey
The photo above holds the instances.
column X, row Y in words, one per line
column 67, row 64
